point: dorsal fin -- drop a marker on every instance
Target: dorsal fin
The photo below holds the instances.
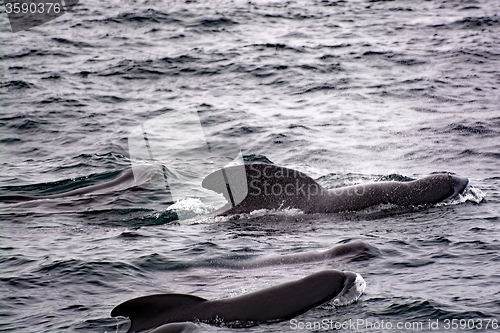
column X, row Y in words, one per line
column 155, row 310
column 267, row 186
column 230, row 182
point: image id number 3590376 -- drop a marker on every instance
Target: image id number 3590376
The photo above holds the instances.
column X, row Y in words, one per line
column 455, row 324
column 33, row 8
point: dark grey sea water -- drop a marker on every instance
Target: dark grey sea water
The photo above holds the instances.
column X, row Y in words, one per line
column 345, row 91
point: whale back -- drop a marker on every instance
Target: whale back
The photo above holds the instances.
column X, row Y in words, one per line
column 273, row 304
column 267, row 187
column 155, row 310
column 284, row 301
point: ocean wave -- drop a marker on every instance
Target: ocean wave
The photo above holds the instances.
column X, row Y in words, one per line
column 148, row 15
column 37, row 53
column 17, row 84
column 426, row 310
column 479, row 128
column 131, row 218
column 77, row 44
column 477, row 22
column 213, row 22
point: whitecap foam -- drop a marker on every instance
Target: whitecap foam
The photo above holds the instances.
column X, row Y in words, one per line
column 276, row 212
column 190, row 207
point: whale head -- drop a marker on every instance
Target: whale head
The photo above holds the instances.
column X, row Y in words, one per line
column 432, row 189
column 440, row 187
column 458, row 184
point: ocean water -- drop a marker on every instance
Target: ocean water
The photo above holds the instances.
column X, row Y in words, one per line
column 346, row 91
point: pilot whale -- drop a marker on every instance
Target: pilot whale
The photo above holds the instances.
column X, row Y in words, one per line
column 274, row 304
column 125, row 179
column 269, row 186
column 352, row 251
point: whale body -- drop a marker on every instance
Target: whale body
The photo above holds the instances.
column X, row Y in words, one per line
column 275, row 187
column 274, row 304
column 353, row 251
column 125, row 179
column 268, row 186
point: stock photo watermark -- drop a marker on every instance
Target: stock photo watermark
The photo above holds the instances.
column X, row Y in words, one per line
column 279, row 181
column 387, row 325
column 171, row 152
column 26, row 14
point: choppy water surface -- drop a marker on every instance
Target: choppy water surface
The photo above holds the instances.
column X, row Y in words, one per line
column 347, row 92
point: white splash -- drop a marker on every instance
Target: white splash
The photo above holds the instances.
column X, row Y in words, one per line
column 190, row 207
column 470, row 193
column 351, row 294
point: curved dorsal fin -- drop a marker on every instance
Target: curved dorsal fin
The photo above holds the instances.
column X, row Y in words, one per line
column 155, row 310
column 266, row 186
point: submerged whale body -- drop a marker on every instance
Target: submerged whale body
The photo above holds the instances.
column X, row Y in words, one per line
column 126, row 179
column 352, row 251
column 275, row 187
column 274, row 304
